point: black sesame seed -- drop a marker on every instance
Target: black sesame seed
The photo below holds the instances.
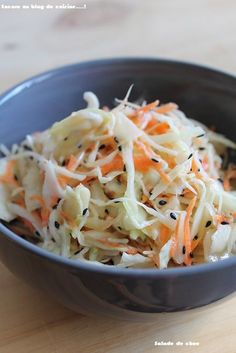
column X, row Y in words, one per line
column 195, row 237
column 79, row 146
column 202, row 148
column 27, row 148
column 66, row 138
column 116, row 201
column 63, row 163
column 53, row 240
column 190, row 156
column 155, row 160
column 220, row 180
column 55, row 206
column 173, row 216
column 119, row 228
column 106, row 211
column 57, row 225
column 198, row 170
column 200, row 160
column 191, row 255
column 150, row 193
column 208, row 223
column 37, row 233
column 184, row 250
column 120, row 148
column 162, row 202
column 116, row 139
column 15, row 177
column 102, row 147
column 182, row 195
column 75, row 253
column 201, row 135
column 191, row 170
column 31, row 158
column 124, row 169
column 85, row 211
column 224, row 223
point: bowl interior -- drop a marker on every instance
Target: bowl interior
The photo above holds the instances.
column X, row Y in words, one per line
column 203, row 94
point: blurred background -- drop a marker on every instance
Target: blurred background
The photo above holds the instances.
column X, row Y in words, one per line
column 32, row 41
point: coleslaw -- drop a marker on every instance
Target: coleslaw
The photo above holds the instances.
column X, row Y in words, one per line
column 135, row 186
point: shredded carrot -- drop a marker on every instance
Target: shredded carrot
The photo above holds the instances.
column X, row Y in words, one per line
column 116, row 164
column 44, row 213
column 187, row 239
column 234, row 214
column 143, row 163
column 148, row 107
column 162, row 128
column 166, row 108
column 8, row 176
column 205, row 163
column 63, row 180
column 151, row 124
column 157, row 128
column 164, row 234
column 71, row 165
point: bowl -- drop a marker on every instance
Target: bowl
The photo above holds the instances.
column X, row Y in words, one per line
column 204, row 94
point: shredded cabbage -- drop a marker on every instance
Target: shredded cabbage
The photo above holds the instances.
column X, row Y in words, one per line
column 140, row 185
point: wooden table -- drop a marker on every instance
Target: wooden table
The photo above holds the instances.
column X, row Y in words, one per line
column 32, row 41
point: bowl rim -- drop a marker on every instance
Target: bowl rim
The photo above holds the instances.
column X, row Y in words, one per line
column 86, row 265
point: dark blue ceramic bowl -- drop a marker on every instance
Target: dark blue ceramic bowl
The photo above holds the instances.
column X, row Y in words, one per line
column 204, row 94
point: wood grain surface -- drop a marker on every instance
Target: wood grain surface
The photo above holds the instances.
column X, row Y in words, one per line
column 32, row 41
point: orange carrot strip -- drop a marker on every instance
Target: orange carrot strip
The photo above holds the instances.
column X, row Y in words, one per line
column 8, row 176
column 142, row 164
column 71, row 165
column 63, row 180
column 166, row 108
column 162, row 128
column 116, row 164
column 44, row 212
column 164, row 234
column 187, row 239
column 148, row 107
column 157, row 128
column 205, row 163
